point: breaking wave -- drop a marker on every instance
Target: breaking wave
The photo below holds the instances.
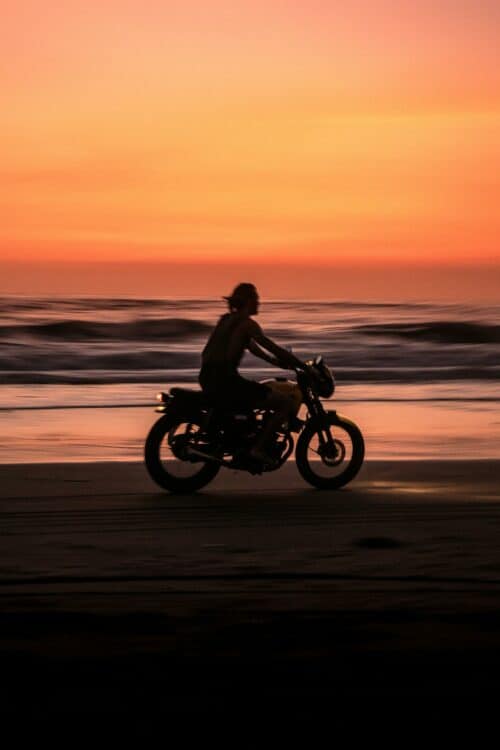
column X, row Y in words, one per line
column 134, row 330
column 450, row 332
column 72, row 340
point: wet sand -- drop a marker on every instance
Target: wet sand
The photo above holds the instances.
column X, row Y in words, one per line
column 256, row 600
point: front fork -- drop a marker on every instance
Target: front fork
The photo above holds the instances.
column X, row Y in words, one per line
column 327, row 447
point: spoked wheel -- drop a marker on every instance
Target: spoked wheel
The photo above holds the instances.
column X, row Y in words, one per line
column 167, row 456
column 330, row 464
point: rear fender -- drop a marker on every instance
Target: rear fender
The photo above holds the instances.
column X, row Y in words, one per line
column 180, row 408
column 162, row 408
column 165, row 400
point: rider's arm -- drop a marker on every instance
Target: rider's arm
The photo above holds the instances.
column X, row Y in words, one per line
column 283, row 358
column 261, row 353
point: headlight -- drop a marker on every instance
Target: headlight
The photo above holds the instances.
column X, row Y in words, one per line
column 324, row 381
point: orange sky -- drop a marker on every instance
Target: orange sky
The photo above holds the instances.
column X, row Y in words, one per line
column 316, row 132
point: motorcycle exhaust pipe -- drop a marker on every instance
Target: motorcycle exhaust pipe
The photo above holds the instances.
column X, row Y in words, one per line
column 220, row 461
column 201, row 454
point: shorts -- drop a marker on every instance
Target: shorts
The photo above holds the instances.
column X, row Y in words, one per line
column 228, row 388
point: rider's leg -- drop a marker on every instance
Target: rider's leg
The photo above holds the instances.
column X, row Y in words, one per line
column 282, row 408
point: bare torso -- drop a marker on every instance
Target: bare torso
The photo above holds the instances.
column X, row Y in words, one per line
column 228, row 341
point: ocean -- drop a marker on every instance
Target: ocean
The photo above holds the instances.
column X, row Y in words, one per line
column 79, row 375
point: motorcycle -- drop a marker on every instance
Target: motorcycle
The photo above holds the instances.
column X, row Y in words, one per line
column 194, row 438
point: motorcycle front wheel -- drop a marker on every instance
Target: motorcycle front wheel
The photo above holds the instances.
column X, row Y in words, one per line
column 322, row 467
column 163, row 455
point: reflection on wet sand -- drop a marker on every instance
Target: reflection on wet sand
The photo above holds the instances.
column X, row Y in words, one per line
column 407, row 430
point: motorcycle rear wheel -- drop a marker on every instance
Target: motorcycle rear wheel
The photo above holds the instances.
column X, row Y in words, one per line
column 335, row 472
column 167, row 470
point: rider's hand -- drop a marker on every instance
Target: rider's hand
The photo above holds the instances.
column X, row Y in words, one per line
column 296, row 365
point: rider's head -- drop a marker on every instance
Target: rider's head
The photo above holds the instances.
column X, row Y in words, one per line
column 244, row 298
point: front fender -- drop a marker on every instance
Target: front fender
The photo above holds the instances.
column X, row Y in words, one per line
column 333, row 417
column 337, row 418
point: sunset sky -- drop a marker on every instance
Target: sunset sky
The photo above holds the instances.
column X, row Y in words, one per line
column 137, row 132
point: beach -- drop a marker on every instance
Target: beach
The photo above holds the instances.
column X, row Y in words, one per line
column 258, row 601
column 123, row 603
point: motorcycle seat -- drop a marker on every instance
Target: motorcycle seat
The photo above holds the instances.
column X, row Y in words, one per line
column 202, row 400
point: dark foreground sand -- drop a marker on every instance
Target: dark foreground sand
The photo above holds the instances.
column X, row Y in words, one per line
column 258, row 600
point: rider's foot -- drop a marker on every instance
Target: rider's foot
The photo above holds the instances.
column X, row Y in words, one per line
column 261, row 456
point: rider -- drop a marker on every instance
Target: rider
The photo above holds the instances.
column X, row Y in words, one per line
column 219, row 376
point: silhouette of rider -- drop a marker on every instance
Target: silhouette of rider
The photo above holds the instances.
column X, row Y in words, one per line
column 219, row 378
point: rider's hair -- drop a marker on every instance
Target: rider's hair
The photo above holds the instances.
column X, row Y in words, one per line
column 241, row 294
